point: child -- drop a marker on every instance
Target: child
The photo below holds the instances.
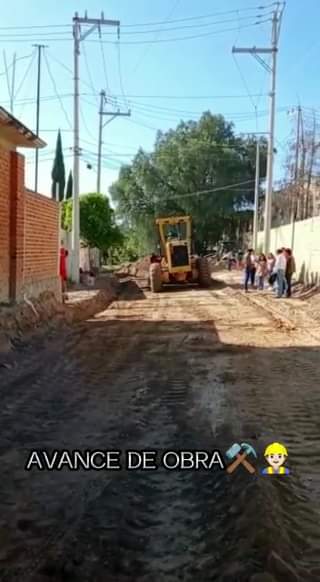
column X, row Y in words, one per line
column 262, row 271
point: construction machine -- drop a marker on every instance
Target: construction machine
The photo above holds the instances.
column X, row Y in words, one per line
column 176, row 263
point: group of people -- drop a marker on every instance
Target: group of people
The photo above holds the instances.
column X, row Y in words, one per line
column 277, row 270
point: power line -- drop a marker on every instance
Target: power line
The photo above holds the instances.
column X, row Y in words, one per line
column 193, row 26
column 188, row 97
column 212, row 190
column 37, row 26
column 200, row 17
column 86, row 126
column 56, row 90
column 26, row 72
column 104, row 64
column 243, row 80
column 155, row 41
column 120, row 75
column 207, row 34
column 190, row 18
column 95, row 92
column 17, row 60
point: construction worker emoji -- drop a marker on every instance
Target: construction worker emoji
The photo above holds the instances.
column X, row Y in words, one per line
column 276, row 454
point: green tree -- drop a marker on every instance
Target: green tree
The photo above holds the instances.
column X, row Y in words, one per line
column 97, row 221
column 69, row 190
column 194, row 169
column 58, row 173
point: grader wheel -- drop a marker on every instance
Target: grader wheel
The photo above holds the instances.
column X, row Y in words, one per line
column 204, row 272
column 155, row 278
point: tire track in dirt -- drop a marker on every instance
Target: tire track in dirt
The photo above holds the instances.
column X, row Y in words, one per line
column 181, row 370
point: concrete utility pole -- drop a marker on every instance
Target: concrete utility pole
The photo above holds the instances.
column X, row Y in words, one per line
column 256, row 199
column 255, row 52
column 79, row 36
column 256, row 188
column 113, row 114
column 294, row 208
column 11, row 86
column 39, row 47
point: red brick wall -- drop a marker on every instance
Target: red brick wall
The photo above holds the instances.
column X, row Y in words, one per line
column 41, row 237
column 4, row 223
column 29, row 235
column 17, row 224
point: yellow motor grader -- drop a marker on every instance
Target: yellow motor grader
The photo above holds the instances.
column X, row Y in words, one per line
column 176, row 263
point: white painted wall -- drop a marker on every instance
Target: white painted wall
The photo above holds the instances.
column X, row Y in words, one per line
column 87, row 256
column 304, row 240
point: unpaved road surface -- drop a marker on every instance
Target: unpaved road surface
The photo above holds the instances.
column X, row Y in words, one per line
column 185, row 370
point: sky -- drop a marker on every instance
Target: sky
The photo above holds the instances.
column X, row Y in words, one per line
column 173, row 61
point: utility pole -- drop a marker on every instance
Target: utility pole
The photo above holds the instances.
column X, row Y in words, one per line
column 256, row 187
column 256, row 198
column 78, row 37
column 255, row 52
column 39, row 47
column 13, row 81
column 294, row 202
column 113, row 115
column 12, row 86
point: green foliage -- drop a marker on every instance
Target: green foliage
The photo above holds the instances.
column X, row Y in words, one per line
column 66, row 215
column 128, row 250
column 69, row 189
column 58, row 173
column 202, row 156
column 97, row 221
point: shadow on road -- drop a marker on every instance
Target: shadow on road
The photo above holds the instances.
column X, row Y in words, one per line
column 159, row 385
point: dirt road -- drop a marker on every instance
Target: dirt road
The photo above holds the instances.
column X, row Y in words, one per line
column 191, row 370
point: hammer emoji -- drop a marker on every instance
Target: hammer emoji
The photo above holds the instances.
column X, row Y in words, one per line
column 240, row 459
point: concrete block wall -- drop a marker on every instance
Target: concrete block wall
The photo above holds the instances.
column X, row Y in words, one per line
column 304, row 239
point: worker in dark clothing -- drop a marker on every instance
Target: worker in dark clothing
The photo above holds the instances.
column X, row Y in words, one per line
column 290, row 270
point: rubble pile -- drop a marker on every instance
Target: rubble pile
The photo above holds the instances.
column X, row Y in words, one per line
column 139, row 268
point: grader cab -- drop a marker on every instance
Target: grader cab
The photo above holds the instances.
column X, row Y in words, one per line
column 176, row 263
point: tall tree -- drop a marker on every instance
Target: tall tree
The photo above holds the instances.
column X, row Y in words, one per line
column 58, row 173
column 69, row 186
column 201, row 168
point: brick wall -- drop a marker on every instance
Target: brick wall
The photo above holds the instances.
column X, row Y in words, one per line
column 29, row 235
column 4, row 224
column 41, row 242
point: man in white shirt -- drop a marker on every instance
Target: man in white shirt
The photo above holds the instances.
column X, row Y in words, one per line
column 280, row 269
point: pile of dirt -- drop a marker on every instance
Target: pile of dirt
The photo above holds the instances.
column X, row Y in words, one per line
column 139, row 268
column 36, row 314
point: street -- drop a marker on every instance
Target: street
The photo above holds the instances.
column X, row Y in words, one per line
column 183, row 370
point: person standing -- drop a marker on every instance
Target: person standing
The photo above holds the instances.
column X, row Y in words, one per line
column 63, row 270
column 261, row 271
column 230, row 260
column 270, row 263
column 250, row 269
column 290, row 269
column 280, row 270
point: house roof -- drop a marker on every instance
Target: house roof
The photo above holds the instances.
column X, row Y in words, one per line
column 13, row 131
